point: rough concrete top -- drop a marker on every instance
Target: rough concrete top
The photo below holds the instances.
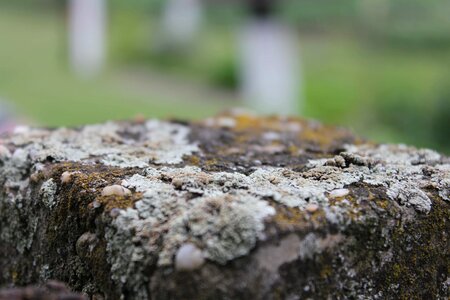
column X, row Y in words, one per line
column 176, row 196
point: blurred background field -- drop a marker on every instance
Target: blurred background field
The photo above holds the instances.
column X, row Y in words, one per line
column 382, row 70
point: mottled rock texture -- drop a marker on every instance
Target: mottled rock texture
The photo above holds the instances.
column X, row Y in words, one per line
column 232, row 207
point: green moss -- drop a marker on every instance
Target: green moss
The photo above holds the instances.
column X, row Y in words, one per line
column 121, row 202
column 75, row 215
column 421, row 256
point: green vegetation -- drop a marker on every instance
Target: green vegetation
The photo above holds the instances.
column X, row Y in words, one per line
column 34, row 76
column 385, row 82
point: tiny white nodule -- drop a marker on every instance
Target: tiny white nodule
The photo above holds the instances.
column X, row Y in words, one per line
column 116, row 189
column 189, row 258
column 66, row 177
column 339, row 193
column 312, row 207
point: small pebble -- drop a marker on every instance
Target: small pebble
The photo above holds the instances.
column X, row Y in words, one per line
column 271, row 136
column 139, row 119
column 339, row 193
column 189, row 258
column 21, row 129
column 294, row 127
column 34, row 177
column 339, row 161
column 115, row 189
column 226, row 122
column 66, row 177
column 312, row 207
column 85, row 243
column 177, row 183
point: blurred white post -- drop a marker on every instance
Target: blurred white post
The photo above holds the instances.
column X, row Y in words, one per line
column 181, row 22
column 374, row 11
column 87, row 36
column 269, row 67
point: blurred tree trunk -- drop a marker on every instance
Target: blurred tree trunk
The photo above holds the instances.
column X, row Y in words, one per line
column 373, row 11
column 269, row 62
column 87, row 36
column 181, row 21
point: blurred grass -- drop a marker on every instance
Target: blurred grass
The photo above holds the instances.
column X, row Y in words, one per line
column 388, row 93
column 34, row 77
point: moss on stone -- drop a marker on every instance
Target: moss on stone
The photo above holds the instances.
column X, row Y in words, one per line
column 261, row 198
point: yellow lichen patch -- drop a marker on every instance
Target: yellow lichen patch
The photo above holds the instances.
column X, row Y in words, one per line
column 86, row 183
column 249, row 122
column 318, row 218
column 353, row 208
column 193, row 160
column 289, row 218
column 292, row 218
column 333, row 201
column 14, row 276
column 396, row 271
column 326, row 271
column 382, row 203
column 211, row 163
column 121, row 202
column 244, row 122
column 310, row 132
column 323, row 136
column 293, row 150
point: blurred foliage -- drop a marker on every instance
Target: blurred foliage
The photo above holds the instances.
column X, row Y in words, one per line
column 379, row 66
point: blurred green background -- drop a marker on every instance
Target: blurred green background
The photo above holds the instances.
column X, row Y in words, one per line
column 381, row 68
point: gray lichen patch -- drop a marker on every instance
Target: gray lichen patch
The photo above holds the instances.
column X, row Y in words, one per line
column 401, row 170
column 113, row 144
column 238, row 216
column 47, row 193
column 440, row 179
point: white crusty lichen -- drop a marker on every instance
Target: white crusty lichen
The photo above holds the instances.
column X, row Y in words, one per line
column 47, row 193
column 296, row 189
column 237, row 216
column 441, row 180
column 224, row 225
column 15, row 199
column 113, row 144
column 400, row 169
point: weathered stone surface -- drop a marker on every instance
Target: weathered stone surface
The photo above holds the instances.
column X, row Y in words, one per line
column 232, row 207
